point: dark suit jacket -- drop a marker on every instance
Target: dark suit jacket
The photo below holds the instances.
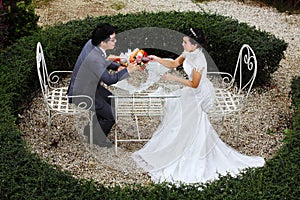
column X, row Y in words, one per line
column 90, row 70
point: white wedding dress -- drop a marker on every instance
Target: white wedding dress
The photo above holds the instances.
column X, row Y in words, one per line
column 185, row 147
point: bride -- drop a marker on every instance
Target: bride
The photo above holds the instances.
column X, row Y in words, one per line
column 185, row 148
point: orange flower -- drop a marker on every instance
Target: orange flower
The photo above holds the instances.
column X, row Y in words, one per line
column 138, row 54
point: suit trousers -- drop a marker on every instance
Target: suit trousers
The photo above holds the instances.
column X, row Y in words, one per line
column 104, row 117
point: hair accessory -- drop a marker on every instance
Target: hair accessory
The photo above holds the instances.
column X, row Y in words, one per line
column 193, row 32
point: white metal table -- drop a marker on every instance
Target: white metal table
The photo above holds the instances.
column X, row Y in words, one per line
column 144, row 103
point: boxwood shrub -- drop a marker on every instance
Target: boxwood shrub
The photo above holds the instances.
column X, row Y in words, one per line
column 23, row 175
column 63, row 42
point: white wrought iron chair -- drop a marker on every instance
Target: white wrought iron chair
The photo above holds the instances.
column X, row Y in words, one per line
column 55, row 95
column 232, row 91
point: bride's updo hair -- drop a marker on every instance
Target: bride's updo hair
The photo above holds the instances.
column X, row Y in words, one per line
column 197, row 36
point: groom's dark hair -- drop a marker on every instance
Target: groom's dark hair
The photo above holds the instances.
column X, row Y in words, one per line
column 102, row 33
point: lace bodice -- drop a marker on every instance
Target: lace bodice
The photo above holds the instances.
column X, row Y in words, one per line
column 195, row 59
column 205, row 92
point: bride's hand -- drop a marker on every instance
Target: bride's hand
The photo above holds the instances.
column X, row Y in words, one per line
column 153, row 57
column 168, row 77
column 201, row 70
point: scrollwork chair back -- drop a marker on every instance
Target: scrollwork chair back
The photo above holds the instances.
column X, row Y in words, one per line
column 55, row 96
column 42, row 69
column 246, row 61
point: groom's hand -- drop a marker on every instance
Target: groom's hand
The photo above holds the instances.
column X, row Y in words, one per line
column 121, row 68
column 114, row 58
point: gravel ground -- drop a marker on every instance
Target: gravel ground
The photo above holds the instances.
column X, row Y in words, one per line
column 264, row 119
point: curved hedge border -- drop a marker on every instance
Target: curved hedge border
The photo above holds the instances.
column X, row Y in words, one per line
column 24, row 175
column 63, row 43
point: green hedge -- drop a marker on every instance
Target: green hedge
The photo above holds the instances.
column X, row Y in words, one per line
column 63, row 43
column 24, row 175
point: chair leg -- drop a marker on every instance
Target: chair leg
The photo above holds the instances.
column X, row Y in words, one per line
column 116, row 140
column 49, row 127
column 91, row 115
column 238, row 128
column 137, row 127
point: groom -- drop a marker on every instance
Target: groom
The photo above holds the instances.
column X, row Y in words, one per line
column 89, row 74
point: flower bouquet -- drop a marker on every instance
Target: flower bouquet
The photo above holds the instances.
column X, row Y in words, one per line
column 138, row 55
